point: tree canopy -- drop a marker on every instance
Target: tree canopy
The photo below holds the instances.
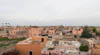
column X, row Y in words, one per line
column 94, row 29
column 83, row 48
column 87, row 33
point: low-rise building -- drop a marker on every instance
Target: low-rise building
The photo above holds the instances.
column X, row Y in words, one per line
column 95, row 50
column 89, row 42
column 60, row 46
column 31, row 46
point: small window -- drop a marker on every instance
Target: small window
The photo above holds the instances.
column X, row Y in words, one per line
column 75, row 36
column 42, row 40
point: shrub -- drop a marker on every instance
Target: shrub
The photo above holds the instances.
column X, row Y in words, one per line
column 83, row 48
column 4, row 39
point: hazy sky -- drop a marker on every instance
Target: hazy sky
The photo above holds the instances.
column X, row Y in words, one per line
column 50, row 12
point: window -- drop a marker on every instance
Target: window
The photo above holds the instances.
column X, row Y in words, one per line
column 75, row 36
column 42, row 40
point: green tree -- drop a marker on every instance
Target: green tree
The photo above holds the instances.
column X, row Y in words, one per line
column 94, row 29
column 98, row 33
column 83, row 48
column 87, row 33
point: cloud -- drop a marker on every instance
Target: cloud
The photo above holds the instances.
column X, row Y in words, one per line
column 50, row 12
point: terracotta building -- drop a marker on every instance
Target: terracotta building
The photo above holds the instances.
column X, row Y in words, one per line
column 31, row 46
column 34, row 32
column 77, row 31
column 18, row 32
column 3, row 32
column 13, row 32
column 95, row 50
column 51, row 31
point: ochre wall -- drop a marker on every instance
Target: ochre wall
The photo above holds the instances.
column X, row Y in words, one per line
column 34, row 47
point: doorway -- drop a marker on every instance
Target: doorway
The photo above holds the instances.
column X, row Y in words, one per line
column 30, row 52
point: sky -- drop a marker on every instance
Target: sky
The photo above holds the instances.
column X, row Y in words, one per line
column 50, row 12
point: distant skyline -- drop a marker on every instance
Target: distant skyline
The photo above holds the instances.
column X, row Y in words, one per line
column 50, row 12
